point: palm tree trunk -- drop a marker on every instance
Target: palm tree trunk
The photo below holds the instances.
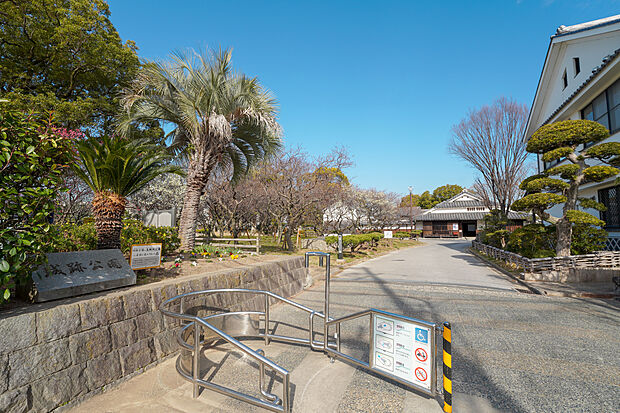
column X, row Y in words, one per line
column 197, row 176
column 108, row 210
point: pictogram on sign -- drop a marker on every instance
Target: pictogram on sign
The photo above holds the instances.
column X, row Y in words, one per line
column 420, row 374
column 421, row 355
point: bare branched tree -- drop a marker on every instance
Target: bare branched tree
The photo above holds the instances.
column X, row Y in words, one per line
column 491, row 141
column 298, row 189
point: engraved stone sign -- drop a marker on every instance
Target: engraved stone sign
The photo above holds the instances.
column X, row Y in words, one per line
column 68, row 274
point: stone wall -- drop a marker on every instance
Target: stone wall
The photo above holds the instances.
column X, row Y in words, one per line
column 574, row 275
column 57, row 352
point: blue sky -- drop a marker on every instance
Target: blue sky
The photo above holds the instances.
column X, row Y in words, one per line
column 385, row 79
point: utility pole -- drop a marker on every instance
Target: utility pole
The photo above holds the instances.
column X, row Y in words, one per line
column 411, row 212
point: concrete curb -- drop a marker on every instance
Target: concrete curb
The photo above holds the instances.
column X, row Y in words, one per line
column 503, row 271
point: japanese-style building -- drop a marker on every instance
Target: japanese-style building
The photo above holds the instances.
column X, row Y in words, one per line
column 460, row 216
column 580, row 79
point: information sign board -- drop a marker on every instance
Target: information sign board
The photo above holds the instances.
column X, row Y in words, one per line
column 387, row 234
column 402, row 349
column 145, row 256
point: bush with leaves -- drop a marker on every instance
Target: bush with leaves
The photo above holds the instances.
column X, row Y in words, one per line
column 74, row 237
column 355, row 241
column 587, row 239
column 33, row 156
column 494, row 232
column 532, row 241
column 562, row 141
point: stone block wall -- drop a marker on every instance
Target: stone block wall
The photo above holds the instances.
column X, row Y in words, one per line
column 57, row 352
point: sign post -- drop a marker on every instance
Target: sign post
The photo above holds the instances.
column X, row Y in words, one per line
column 145, row 256
column 403, row 348
column 339, row 246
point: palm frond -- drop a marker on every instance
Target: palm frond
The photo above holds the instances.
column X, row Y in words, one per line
column 120, row 165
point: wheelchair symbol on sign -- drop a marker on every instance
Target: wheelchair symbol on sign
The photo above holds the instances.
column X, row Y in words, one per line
column 421, row 335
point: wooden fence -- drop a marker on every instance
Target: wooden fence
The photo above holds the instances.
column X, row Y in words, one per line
column 599, row 259
column 250, row 243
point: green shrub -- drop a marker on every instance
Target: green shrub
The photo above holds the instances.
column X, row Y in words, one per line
column 532, row 241
column 33, row 156
column 407, row 235
column 208, row 251
column 587, row 239
column 354, row 241
column 332, row 241
column 73, row 237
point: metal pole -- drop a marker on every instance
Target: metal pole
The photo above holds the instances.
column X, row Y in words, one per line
column 286, row 401
column 196, row 364
column 339, row 246
column 447, row 367
column 411, row 212
column 326, row 309
column 266, row 319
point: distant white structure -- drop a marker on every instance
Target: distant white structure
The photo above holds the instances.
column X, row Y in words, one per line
column 580, row 79
column 461, row 215
column 160, row 218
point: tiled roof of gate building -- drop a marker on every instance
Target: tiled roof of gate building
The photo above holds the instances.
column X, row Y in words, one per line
column 459, row 204
column 464, row 216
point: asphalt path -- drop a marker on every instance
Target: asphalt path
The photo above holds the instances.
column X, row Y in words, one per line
column 438, row 262
column 512, row 351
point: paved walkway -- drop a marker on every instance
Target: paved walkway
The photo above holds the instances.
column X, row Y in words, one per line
column 511, row 351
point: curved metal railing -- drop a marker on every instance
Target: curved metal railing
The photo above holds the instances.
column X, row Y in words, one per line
column 270, row 401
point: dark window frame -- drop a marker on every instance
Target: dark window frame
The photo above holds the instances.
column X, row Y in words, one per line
column 564, row 80
column 613, row 222
column 607, row 114
column 576, row 66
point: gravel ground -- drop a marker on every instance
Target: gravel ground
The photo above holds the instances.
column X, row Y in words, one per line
column 512, row 351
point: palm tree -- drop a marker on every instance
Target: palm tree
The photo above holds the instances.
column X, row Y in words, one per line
column 219, row 118
column 115, row 168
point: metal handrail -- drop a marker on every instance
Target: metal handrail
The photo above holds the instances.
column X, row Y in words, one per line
column 198, row 322
column 330, row 348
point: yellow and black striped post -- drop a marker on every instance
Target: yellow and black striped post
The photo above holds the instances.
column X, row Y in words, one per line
column 447, row 368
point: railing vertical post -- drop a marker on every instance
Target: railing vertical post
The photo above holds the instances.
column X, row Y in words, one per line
column 266, row 319
column 326, row 310
column 286, row 401
column 196, row 364
column 447, row 367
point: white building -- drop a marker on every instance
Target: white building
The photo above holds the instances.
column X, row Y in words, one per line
column 580, row 79
column 460, row 216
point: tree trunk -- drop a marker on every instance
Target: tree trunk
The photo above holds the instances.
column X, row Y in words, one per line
column 564, row 227
column 108, row 210
column 288, row 242
column 197, row 176
column 564, row 231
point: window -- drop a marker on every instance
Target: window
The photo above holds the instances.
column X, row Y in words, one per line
column 610, row 197
column 576, row 65
column 605, row 108
column 564, row 80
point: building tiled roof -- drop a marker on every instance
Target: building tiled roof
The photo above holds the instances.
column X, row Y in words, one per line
column 606, row 61
column 459, row 204
column 463, row 216
column 577, row 28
